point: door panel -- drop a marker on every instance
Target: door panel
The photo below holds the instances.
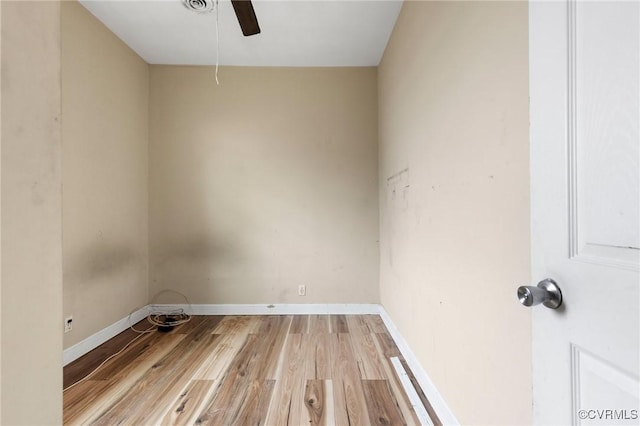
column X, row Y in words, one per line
column 597, row 383
column 585, row 147
column 603, row 118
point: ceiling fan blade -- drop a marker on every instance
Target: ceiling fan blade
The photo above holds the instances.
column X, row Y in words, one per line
column 246, row 17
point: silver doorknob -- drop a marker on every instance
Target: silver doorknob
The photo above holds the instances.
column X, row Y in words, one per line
column 547, row 292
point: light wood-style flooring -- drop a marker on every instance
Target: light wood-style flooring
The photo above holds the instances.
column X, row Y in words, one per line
column 245, row 370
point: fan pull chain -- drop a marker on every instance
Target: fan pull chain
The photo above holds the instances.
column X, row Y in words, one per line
column 217, row 45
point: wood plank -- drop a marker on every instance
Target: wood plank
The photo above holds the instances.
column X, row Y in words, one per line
column 97, row 401
column 225, row 406
column 307, row 369
column 249, row 366
column 381, row 404
column 321, row 357
column 387, row 345
column 254, row 372
column 221, row 356
column 188, row 327
column 190, row 403
column 272, row 331
column 319, row 324
column 276, row 335
column 79, row 368
column 375, row 323
column 271, row 323
column 357, row 325
column 87, row 363
column 331, row 419
column 238, row 324
column 288, row 397
column 406, row 408
column 299, row 324
column 368, row 359
column 214, row 371
column 339, row 324
column 351, row 394
column 148, row 400
column 337, row 403
column 80, row 400
column 427, row 405
column 132, row 353
column 256, row 404
column 315, row 402
column 316, row 366
column 364, row 349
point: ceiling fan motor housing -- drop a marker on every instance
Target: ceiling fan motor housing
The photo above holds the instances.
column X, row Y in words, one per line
column 243, row 8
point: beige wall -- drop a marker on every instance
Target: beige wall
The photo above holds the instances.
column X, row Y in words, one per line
column 1, row 386
column 105, row 89
column 0, row 214
column 453, row 87
column 31, row 214
column 263, row 183
column 243, row 211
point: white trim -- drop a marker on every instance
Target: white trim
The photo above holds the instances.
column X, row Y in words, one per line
column 76, row 351
column 435, row 398
column 414, row 399
column 282, row 309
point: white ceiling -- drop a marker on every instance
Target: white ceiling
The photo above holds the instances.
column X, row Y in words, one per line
column 294, row 32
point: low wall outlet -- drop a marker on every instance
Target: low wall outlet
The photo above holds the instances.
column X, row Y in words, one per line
column 302, row 290
column 68, row 324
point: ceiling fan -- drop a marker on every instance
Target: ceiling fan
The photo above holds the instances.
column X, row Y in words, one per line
column 246, row 17
column 243, row 8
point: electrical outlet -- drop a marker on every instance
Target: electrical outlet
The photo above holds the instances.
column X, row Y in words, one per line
column 68, row 324
column 302, row 290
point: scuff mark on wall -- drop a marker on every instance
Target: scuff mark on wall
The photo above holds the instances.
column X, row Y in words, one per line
column 398, row 190
column 102, row 261
column 196, row 249
column 397, row 202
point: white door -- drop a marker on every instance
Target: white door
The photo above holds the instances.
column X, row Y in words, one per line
column 585, row 147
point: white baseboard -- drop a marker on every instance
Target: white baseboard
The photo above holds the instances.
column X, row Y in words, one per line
column 431, row 392
column 76, row 351
column 410, row 390
column 282, row 309
column 429, row 389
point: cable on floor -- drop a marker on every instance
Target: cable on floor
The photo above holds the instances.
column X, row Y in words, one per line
column 165, row 317
column 110, row 357
column 161, row 317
